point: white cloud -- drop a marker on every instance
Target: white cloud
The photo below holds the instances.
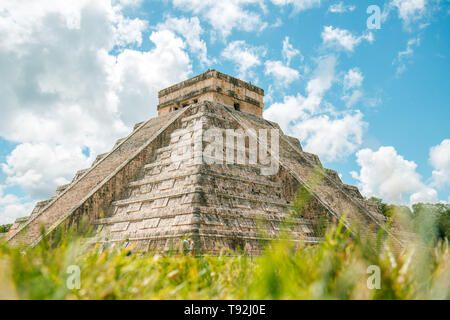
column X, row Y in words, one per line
column 322, row 80
column 353, row 79
column 287, row 112
column 409, row 48
column 440, row 160
column 62, row 92
column 282, row 74
column 343, row 39
column 21, row 21
column 405, row 55
column 387, row 175
column 191, row 30
column 12, row 207
column 425, row 194
column 129, row 31
column 244, row 56
column 294, row 108
column 409, row 10
column 39, row 167
column 297, row 108
column 352, row 98
column 340, row 7
column 278, row 23
column 299, row 5
column 330, row 134
column 289, row 52
column 128, row 3
column 138, row 76
column 331, row 138
column 224, row 16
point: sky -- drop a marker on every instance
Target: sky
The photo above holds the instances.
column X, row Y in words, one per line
column 366, row 90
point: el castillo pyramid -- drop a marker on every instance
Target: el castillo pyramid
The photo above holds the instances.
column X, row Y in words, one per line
column 165, row 181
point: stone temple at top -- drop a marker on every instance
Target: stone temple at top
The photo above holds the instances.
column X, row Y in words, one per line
column 212, row 86
column 162, row 183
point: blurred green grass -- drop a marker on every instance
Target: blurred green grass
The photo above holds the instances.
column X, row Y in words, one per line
column 333, row 269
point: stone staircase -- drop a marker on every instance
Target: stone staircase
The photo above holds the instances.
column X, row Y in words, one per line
column 219, row 205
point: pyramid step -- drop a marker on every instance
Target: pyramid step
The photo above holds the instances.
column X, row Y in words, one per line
column 79, row 174
column 160, row 195
column 257, row 180
column 39, row 206
column 141, row 217
column 208, row 210
column 294, row 141
column 334, row 175
column 166, row 163
column 353, row 191
column 207, row 115
column 137, row 125
column 119, row 141
column 192, row 176
column 187, row 190
column 99, row 158
column 151, row 180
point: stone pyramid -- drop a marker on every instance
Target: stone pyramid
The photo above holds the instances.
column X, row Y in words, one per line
column 166, row 181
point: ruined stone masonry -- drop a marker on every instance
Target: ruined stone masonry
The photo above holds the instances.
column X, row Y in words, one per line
column 138, row 192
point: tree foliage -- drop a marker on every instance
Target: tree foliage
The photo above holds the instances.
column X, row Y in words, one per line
column 5, row 227
column 432, row 219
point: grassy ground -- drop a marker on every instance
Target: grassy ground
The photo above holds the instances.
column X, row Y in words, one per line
column 334, row 269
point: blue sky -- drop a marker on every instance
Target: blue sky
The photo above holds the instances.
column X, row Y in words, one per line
column 372, row 103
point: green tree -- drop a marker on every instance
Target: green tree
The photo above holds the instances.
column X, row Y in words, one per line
column 389, row 210
column 5, row 227
column 432, row 220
